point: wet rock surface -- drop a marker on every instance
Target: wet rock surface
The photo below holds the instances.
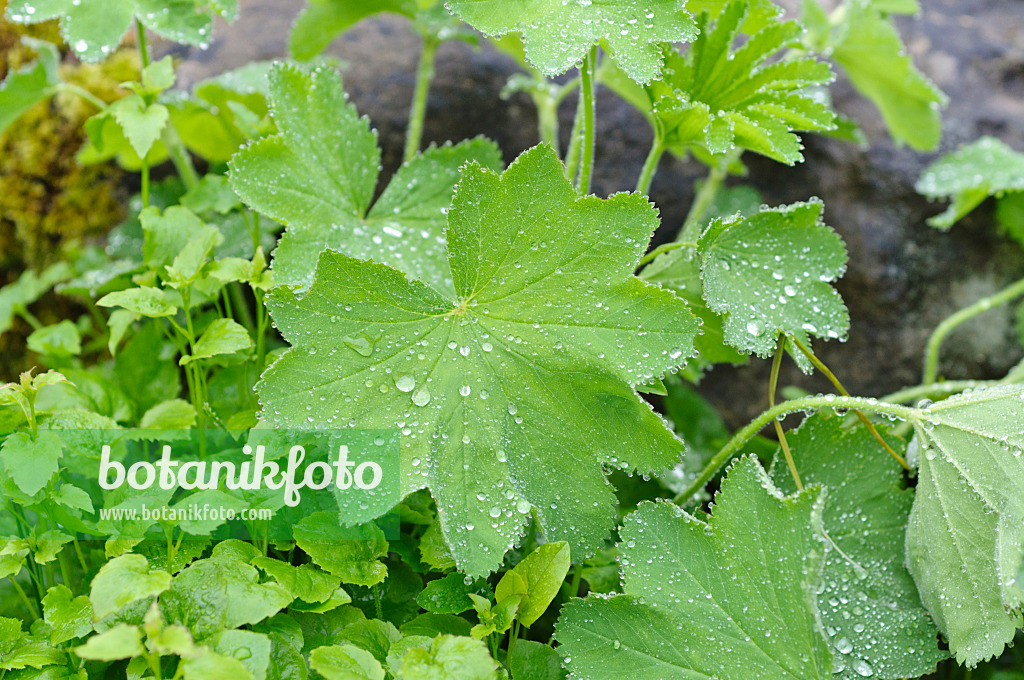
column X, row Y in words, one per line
column 903, row 277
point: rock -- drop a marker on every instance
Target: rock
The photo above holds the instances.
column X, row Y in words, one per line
column 903, row 277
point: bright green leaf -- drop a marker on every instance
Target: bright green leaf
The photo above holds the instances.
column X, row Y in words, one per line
column 984, row 168
column 61, row 340
column 531, row 660
column 173, row 414
column 321, row 21
column 699, row 599
column 213, row 666
column 23, row 88
column 867, row 46
column 31, row 463
column 558, row 34
column 965, row 535
column 318, row 177
column 305, row 582
column 542, row 572
column 251, row 649
column 69, row 617
column 222, row 336
column 505, row 384
column 770, row 273
column 345, row 662
column 450, row 658
column 144, row 300
column 889, row 634
column 450, row 595
column 141, row 124
column 120, row 642
column 351, row 553
column 124, row 580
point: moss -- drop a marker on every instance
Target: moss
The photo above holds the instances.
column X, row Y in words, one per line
column 46, row 197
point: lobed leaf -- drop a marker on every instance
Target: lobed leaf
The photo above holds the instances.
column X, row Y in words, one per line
column 965, row 535
column 499, row 388
column 699, row 599
column 557, row 34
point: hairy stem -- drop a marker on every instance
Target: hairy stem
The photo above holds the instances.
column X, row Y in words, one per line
column 418, row 112
column 785, row 408
column 572, row 154
column 643, row 183
column 819, row 364
column 664, row 248
column 587, row 82
column 773, row 383
column 931, row 353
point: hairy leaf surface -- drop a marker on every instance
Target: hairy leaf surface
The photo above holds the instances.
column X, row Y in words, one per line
column 700, row 602
column 771, row 273
column 869, row 605
column 557, row 34
column 965, row 535
column 318, row 176
column 502, row 389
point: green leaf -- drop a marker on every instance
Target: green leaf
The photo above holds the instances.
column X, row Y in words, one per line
column 124, row 580
column 222, row 336
column 450, row 595
column 119, row 322
column 321, row 21
column 249, row 648
column 31, row 463
column 29, row 287
column 734, row 598
column 305, row 582
column 174, row 414
column 868, row 597
column 141, row 124
column 351, row 553
column 345, row 662
column 867, row 46
column 212, row 666
column 69, row 617
column 770, row 273
column 167, row 234
column 218, row 594
column 718, row 97
column 540, row 577
column 61, row 340
column 94, row 28
column 31, row 84
column 450, row 658
column 984, row 168
column 499, row 389
column 531, row 660
column 497, row 618
column 318, row 176
column 120, row 642
column 144, row 300
column 558, row 34
column 965, row 535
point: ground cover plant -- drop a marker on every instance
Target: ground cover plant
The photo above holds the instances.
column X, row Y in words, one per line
column 555, row 498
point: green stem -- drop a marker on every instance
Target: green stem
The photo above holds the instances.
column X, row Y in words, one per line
column 931, row 354
column 180, row 157
column 71, row 88
column 25, row 598
column 664, row 248
column 587, row 93
column 643, row 184
column 240, row 306
column 140, row 31
column 418, row 112
column 785, row 408
column 513, row 635
column 261, row 332
column 704, row 198
column 773, row 383
column 29, row 317
column 145, row 181
column 572, row 155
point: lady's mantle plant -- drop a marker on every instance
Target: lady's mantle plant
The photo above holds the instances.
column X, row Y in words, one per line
column 502, row 325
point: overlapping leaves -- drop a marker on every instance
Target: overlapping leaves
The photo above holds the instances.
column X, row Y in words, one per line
column 318, row 176
column 965, row 535
column 93, row 28
column 499, row 389
column 699, row 601
column 869, row 605
column 558, row 34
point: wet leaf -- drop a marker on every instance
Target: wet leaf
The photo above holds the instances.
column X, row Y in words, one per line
column 699, row 601
column 498, row 389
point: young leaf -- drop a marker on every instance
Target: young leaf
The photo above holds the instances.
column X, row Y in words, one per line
column 449, row 656
column 717, row 97
column 558, row 34
column 141, row 124
column 770, row 273
column 735, row 598
column 305, row 582
column 502, row 385
column 540, row 576
column 318, row 176
column 29, row 462
column 60, row 341
column 867, row 46
column 889, row 634
column 120, row 642
column 965, row 535
column 222, row 336
column 173, row 414
column 144, row 300
column 351, row 553
column 345, row 662
column 321, row 21
column 124, row 580
column 69, row 617
column 450, row 595
column 984, row 168
column 23, row 88
column 93, row 28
